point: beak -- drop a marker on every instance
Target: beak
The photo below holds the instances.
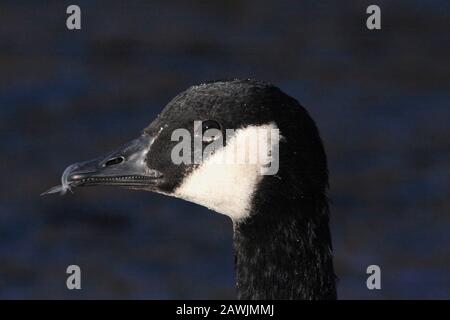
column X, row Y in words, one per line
column 125, row 166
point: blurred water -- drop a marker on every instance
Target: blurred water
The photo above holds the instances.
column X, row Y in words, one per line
column 380, row 99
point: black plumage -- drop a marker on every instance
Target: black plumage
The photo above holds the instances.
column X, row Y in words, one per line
column 283, row 247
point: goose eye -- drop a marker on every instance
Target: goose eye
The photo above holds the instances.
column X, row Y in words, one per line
column 210, row 124
column 114, row 161
column 213, row 134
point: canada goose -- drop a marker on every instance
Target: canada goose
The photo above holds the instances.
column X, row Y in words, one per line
column 281, row 235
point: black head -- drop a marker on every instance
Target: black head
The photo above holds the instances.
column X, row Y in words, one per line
column 210, row 109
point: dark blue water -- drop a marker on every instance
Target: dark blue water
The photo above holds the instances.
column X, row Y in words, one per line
column 380, row 99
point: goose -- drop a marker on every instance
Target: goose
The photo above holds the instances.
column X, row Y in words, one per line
column 280, row 220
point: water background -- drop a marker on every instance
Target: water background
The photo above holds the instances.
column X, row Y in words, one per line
column 380, row 98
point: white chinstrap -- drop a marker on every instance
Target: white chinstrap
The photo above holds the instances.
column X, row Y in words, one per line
column 228, row 187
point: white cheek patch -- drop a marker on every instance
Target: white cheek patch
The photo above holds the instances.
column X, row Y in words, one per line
column 226, row 188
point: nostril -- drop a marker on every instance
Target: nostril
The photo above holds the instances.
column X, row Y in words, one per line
column 114, row 161
column 74, row 177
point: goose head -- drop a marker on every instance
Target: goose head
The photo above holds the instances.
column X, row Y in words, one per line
column 216, row 144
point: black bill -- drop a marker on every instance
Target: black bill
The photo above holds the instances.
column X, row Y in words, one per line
column 125, row 166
